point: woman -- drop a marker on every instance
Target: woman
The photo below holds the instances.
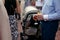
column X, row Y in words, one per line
column 5, row 33
column 11, row 5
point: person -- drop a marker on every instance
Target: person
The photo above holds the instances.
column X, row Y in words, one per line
column 10, row 6
column 49, row 19
column 39, row 4
column 32, row 2
column 5, row 32
column 18, row 15
column 29, row 3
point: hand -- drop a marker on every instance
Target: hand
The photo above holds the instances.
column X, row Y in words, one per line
column 40, row 17
column 35, row 17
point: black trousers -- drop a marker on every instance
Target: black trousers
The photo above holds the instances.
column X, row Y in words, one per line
column 49, row 29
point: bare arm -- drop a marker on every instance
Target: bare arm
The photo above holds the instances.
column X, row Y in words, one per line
column 18, row 8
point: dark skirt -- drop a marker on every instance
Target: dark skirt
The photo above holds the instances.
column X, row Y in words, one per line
column 13, row 26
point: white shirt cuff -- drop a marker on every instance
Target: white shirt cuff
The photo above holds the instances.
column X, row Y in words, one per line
column 45, row 17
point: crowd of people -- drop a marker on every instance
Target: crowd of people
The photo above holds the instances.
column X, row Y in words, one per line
column 10, row 12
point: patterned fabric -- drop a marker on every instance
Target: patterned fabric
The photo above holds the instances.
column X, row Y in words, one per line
column 13, row 25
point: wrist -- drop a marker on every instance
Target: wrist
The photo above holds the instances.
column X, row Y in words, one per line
column 45, row 17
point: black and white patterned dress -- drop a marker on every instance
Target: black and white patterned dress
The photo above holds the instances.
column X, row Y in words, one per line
column 13, row 26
